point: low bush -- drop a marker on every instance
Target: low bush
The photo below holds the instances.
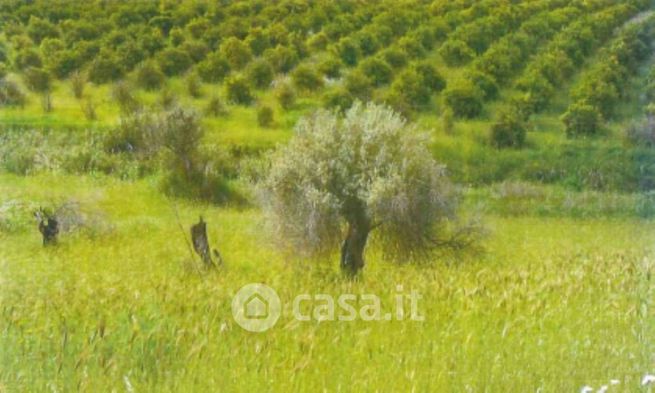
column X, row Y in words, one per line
column 582, row 119
column 264, row 116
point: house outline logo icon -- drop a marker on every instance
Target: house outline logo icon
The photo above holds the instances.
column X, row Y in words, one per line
column 256, row 307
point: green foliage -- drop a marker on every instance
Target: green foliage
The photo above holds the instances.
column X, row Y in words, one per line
column 236, row 52
column 260, row 73
column 286, row 96
column 348, row 51
column 214, row 68
column 197, row 50
column 123, row 94
column 376, row 69
column 39, row 29
column 193, row 85
column 464, row 99
column 105, row 68
column 149, row 76
column 582, row 119
column 11, row 94
column 359, row 85
column 330, row 67
column 174, row 61
column 282, row 58
column 396, row 57
column 38, row 79
column 264, row 116
column 456, row 53
column 485, row 82
column 237, row 90
column 78, row 83
column 379, row 159
column 412, row 86
column 26, row 58
column 430, row 76
column 508, row 130
column 338, row 98
column 215, row 107
column 306, row 78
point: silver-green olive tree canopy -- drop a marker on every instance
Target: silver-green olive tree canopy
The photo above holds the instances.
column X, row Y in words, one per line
column 344, row 178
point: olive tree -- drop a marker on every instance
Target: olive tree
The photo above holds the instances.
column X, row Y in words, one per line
column 345, row 178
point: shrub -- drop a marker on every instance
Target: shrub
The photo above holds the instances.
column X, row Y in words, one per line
column 149, row 76
column 11, row 94
column 642, row 133
column 197, row 50
column 377, row 69
column 258, row 41
column 395, row 57
column 330, row 67
column 173, row 61
column 193, row 85
column 305, row 78
column 236, row 52
column 393, row 185
column 282, row 58
column 38, row 29
column 88, row 107
column 105, row 68
column 188, row 170
column 338, row 98
column 64, row 62
column 286, row 96
column 348, row 51
column 38, row 79
column 448, row 121
column 3, row 70
column 215, row 107
column 508, row 130
column 122, row 93
column 167, row 99
column 582, row 119
column 431, row 76
column 359, row 85
column 214, row 68
column 26, row 58
column 456, row 53
column 264, row 116
column 136, row 133
column 464, row 98
column 260, row 73
column 237, row 90
column 318, row 42
column 412, row 46
column 412, row 87
column 78, row 82
column 485, row 82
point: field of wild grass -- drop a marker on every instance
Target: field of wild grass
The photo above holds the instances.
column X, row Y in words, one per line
column 551, row 303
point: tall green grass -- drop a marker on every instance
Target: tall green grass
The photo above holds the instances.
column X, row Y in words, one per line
column 551, row 304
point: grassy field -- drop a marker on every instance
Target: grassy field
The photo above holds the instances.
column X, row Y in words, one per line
column 558, row 295
column 551, row 304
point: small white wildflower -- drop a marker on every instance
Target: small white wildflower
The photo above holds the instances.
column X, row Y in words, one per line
column 614, row 382
column 586, row 389
column 223, row 327
column 603, row 389
column 648, row 379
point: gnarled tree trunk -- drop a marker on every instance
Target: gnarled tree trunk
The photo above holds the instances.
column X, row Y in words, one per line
column 352, row 249
column 200, row 242
column 48, row 226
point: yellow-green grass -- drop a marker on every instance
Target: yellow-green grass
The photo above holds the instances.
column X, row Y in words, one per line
column 550, row 305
